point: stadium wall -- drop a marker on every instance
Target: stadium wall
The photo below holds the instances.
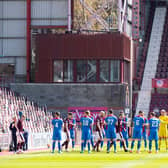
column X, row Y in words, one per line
column 62, row 96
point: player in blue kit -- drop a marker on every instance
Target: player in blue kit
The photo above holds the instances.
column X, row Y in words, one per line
column 111, row 122
column 138, row 123
column 153, row 131
column 57, row 131
column 86, row 124
column 144, row 133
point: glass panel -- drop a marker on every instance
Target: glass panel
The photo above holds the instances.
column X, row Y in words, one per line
column 68, row 71
column 115, row 71
column 58, row 71
column 91, row 71
column 104, row 70
column 126, row 72
column 81, row 66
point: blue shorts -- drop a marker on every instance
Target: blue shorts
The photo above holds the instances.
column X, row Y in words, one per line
column 111, row 134
column 72, row 133
column 86, row 135
column 153, row 135
column 125, row 134
column 137, row 134
column 57, row 136
column 144, row 135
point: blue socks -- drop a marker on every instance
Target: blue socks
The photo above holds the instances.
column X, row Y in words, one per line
column 150, row 145
column 108, row 145
column 139, row 145
column 73, row 143
column 145, row 143
column 132, row 144
column 126, row 141
column 120, row 144
column 88, row 146
column 82, row 146
column 59, row 146
column 53, row 146
column 102, row 143
column 115, row 146
column 92, row 142
column 156, row 145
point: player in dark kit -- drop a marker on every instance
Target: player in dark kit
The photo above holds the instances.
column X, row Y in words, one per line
column 69, row 129
column 123, row 131
column 100, row 129
column 20, row 137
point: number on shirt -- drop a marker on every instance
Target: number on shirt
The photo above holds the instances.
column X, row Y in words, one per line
column 110, row 122
column 137, row 122
column 85, row 123
column 56, row 125
column 154, row 124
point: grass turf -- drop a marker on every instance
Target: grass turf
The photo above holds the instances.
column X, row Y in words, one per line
column 94, row 160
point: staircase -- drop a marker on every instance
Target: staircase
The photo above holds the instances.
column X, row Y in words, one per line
column 144, row 97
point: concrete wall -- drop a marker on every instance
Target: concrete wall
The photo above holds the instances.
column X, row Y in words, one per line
column 62, row 96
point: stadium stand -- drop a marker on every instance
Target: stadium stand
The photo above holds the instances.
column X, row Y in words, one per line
column 152, row 60
column 145, row 45
column 162, row 67
column 157, row 98
column 37, row 118
column 158, row 102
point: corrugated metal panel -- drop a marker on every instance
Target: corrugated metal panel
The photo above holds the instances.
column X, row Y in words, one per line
column 59, row 22
column 14, row 9
column 59, row 9
column 41, row 9
column 20, row 66
column 41, row 22
column 7, row 60
column 49, row 22
column 53, row 12
column 14, row 47
column 14, row 28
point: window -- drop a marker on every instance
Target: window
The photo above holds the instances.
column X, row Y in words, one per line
column 68, row 71
column 58, row 71
column 104, row 71
column 86, row 71
column 115, row 71
column 81, row 66
column 91, row 71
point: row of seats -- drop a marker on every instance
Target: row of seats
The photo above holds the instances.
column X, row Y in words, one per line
column 158, row 102
column 37, row 118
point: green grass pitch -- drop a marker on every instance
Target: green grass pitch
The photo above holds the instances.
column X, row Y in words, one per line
column 94, row 160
